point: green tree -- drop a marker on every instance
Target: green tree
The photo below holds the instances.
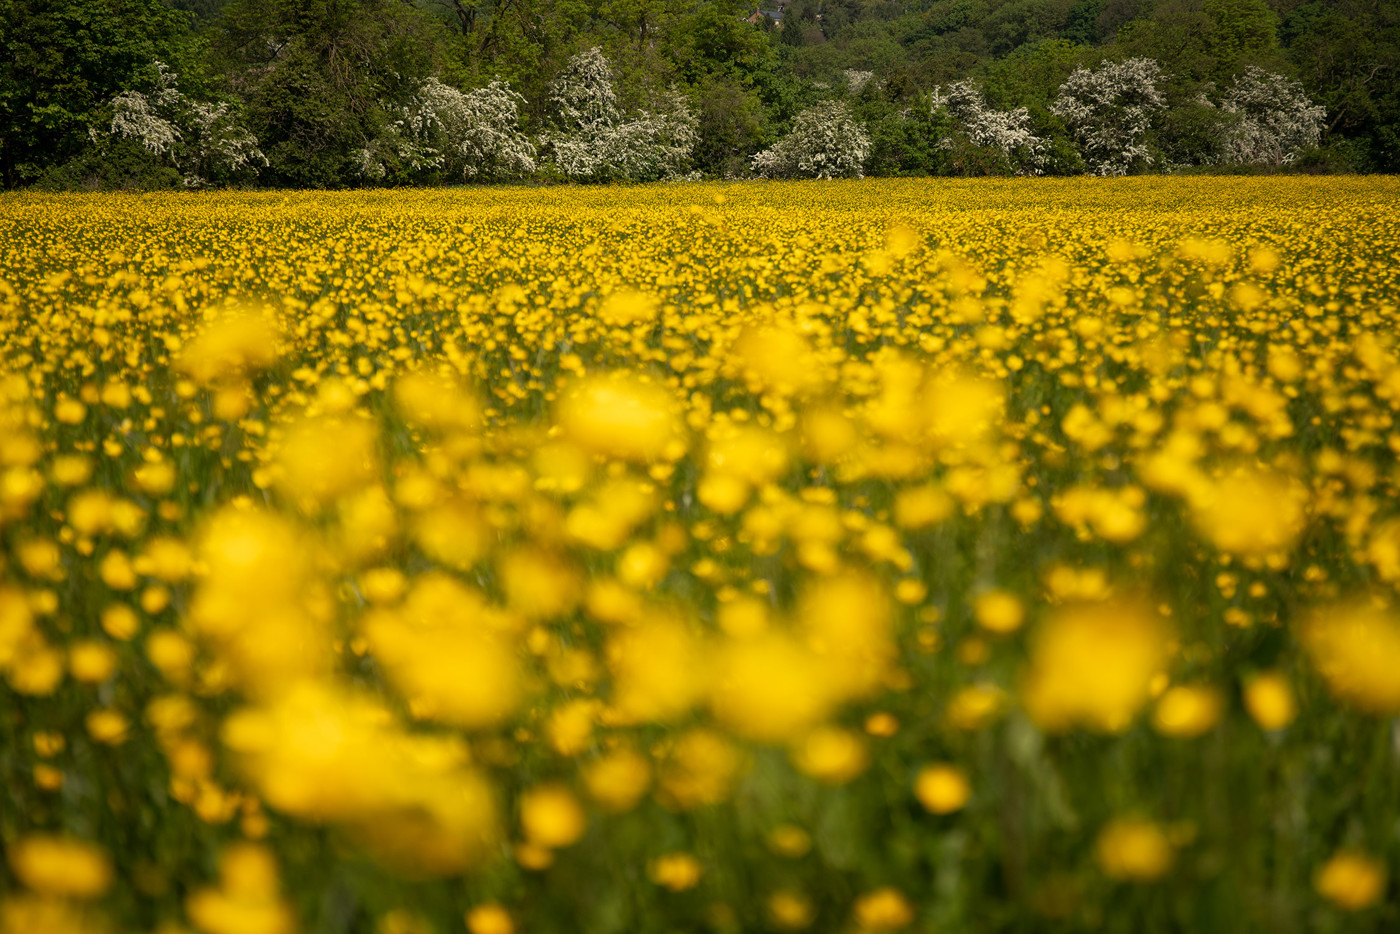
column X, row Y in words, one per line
column 1082, row 23
column 1242, row 32
column 321, row 77
column 1032, row 75
column 731, row 125
column 1348, row 57
column 714, row 40
column 61, row 61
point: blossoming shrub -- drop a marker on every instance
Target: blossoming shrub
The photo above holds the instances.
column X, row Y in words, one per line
column 474, row 135
column 593, row 140
column 1109, row 110
column 826, row 142
column 1273, row 119
column 203, row 140
column 1006, row 133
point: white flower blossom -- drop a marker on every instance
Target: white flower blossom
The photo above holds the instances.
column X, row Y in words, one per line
column 595, row 141
column 219, row 143
column 201, row 138
column 368, row 163
column 826, row 142
column 1108, row 111
column 134, row 117
column 581, row 97
column 1007, row 131
column 1273, row 119
column 475, row 134
column 857, row 80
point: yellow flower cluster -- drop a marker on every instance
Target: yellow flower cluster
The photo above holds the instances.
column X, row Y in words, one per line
column 722, row 556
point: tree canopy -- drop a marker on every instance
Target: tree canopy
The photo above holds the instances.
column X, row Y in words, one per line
column 318, row 83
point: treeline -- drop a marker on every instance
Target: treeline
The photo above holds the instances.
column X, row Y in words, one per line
column 332, row 93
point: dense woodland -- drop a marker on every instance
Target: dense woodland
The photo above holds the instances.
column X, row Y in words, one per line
column 329, row 93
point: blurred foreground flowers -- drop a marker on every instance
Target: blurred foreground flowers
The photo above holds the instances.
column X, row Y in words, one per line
column 832, row 557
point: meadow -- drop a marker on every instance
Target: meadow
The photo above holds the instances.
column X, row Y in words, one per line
column 895, row 555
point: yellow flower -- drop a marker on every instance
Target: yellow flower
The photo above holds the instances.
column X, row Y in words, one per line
column 551, row 816
column 659, row 670
column 170, row 652
column 618, row 779
column 748, row 452
column 1092, row 665
column 723, row 493
column 538, row 584
column 61, row 866
column 998, row 611
column 36, row 668
column 165, row 558
column 791, row 910
column 962, row 409
column 570, row 725
column 627, row 306
column 247, row 901
column 1351, row 880
column 108, row 726
column 16, row 621
column 231, row 347
column 259, row 604
column 383, row 585
column 490, row 918
column 942, row 788
column 156, row 477
column 1356, row 649
column 39, row 557
column 1188, row 710
column 324, row 459
column 1133, row 850
column 790, row 841
column 1249, row 512
column 621, row 416
column 69, row 411
column 884, row 909
column 1269, row 699
column 831, row 755
column 91, row 661
column 71, row 470
column 921, row 506
column 116, row 571
column 976, row 706
column 25, row 914
column 777, row 358
column 325, row 754
column 699, row 768
column 675, row 871
column 436, row 403
column 847, row 623
column 440, row 653
column 403, row 921
column 769, row 687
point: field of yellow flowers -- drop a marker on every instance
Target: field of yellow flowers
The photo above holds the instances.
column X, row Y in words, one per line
column 854, row 557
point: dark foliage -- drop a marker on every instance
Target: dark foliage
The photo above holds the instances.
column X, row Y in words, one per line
column 318, row 79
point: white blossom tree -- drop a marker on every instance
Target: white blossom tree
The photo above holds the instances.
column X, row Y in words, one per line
column 202, row 139
column 1271, row 119
column 472, row 134
column 581, row 97
column 1006, row 131
column 826, row 142
column 856, row 80
column 593, row 140
column 1108, row 111
column 146, row 118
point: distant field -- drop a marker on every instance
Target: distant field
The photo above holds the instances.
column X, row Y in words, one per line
column 853, row 556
